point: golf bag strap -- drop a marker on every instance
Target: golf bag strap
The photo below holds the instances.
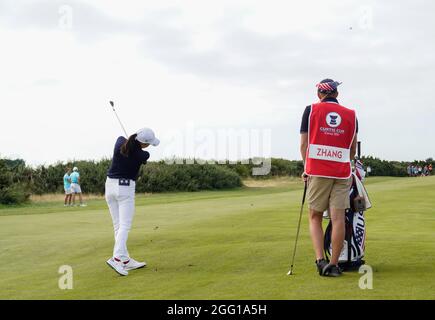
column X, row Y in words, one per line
column 349, row 240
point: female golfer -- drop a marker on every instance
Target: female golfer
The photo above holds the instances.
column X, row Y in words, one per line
column 128, row 156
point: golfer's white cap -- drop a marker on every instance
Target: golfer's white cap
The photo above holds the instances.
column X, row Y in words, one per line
column 146, row 135
column 75, row 169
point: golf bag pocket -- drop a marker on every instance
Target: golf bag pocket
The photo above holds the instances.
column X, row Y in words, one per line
column 359, row 204
column 352, row 254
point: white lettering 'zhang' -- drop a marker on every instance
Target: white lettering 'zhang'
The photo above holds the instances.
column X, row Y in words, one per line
column 66, row 280
column 328, row 153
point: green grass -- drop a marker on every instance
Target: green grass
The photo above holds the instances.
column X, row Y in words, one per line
column 218, row 245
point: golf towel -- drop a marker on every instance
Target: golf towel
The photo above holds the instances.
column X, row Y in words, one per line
column 362, row 192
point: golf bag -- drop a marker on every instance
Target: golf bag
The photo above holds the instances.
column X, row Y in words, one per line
column 352, row 254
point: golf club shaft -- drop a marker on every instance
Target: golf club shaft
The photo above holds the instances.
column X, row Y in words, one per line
column 299, row 227
column 359, row 149
column 119, row 120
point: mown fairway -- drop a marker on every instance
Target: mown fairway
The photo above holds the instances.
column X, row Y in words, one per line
column 218, row 245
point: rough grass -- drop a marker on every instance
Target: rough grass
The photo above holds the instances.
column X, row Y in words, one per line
column 272, row 182
column 60, row 197
column 217, row 245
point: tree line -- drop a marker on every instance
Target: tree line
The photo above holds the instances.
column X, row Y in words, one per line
column 18, row 180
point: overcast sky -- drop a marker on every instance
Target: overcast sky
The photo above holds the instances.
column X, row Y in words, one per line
column 195, row 70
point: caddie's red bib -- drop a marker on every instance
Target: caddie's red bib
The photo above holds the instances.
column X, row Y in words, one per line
column 331, row 131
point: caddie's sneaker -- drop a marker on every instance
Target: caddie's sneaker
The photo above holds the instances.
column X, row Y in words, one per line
column 133, row 264
column 321, row 264
column 83, row 205
column 331, row 271
column 118, row 266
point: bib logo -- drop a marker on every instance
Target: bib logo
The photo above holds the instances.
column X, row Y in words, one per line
column 333, row 119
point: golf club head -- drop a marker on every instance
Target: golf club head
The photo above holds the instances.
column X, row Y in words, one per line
column 111, row 103
column 290, row 273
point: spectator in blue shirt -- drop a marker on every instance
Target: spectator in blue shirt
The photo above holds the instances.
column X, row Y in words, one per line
column 75, row 187
column 67, row 187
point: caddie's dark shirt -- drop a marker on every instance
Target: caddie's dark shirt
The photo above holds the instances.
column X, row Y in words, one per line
column 306, row 116
column 127, row 167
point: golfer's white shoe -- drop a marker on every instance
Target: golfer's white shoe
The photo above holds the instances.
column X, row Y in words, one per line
column 133, row 264
column 118, row 266
column 83, row 205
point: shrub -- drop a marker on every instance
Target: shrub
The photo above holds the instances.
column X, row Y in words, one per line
column 14, row 194
column 13, row 186
column 160, row 177
column 17, row 180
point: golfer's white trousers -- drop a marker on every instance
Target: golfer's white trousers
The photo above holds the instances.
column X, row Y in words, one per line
column 120, row 200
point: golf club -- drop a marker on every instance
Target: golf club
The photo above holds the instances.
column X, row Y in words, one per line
column 299, row 227
column 113, row 108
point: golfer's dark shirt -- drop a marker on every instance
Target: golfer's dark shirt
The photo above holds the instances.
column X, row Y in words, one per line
column 306, row 116
column 126, row 167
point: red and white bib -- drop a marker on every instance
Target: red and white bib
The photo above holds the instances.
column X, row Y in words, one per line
column 331, row 131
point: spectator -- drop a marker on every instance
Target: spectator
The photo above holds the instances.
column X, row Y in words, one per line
column 67, row 187
column 75, row 187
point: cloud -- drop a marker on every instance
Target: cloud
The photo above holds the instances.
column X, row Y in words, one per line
column 243, row 55
column 230, row 63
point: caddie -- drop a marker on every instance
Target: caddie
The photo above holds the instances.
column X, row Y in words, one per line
column 328, row 144
column 75, row 187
